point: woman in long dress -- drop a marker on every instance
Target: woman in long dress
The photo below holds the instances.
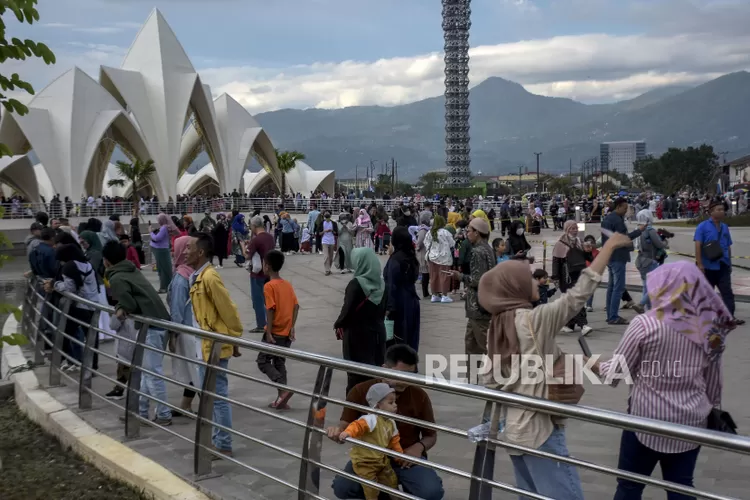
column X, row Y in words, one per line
column 180, row 309
column 364, row 230
column 345, row 242
column 360, row 322
column 400, row 274
column 220, row 234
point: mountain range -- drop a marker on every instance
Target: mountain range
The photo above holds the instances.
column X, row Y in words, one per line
column 508, row 124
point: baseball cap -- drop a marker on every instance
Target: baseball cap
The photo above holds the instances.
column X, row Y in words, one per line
column 377, row 392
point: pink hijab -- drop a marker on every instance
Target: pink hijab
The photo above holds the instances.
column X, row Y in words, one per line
column 180, row 267
column 165, row 220
column 363, row 218
column 682, row 298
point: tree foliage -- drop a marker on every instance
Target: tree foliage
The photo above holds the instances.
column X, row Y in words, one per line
column 432, row 182
column 287, row 161
column 16, row 49
column 694, row 169
column 560, row 185
column 138, row 173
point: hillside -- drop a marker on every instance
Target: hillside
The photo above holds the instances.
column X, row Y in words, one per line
column 508, row 124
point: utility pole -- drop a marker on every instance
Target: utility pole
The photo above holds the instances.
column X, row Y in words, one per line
column 538, row 185
column 356, row 179
column 520, row 181
column 393, row 175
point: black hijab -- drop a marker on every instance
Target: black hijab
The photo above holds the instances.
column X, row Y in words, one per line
column 135, row 231
column 94, row 225
column 404, row 253
column 518, row 243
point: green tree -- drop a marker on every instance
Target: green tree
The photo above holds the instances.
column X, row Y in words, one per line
column 287, row 160
column 16, row 50
column 677, row 169
column 432, row 182
column 138, row 173
column 560, row 185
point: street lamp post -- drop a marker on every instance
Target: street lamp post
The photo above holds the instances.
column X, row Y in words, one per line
column 538, row 185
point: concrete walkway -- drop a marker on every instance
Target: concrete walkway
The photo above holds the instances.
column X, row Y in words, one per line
column 442, row 333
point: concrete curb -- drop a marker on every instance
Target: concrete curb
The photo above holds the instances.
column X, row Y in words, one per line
column 110, row 456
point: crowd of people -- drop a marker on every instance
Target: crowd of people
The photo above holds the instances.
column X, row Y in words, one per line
column 444, row 249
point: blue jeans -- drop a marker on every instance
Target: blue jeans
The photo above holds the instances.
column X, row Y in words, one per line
column 590, row 302
column 645, row 301
column 259, row 300
column 635, row 457
column 615, row 287
column 151, row 385
column 222, row 409
column 416, row 480
column 545, row 476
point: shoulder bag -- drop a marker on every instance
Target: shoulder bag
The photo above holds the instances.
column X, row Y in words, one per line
column 713, row 250
column 561, row 393
column 722, row 421
column 576, row 260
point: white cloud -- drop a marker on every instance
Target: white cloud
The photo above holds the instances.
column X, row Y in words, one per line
column 105, row 29
column 589, row 68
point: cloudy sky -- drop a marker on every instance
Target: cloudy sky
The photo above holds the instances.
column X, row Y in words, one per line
column 337, row 53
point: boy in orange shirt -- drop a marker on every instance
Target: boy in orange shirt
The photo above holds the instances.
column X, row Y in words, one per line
column 281, row 316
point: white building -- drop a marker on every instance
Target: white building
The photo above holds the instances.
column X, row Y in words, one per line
column 621, row 155
column 154, row 107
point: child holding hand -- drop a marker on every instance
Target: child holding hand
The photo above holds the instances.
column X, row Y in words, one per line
column 377, row 430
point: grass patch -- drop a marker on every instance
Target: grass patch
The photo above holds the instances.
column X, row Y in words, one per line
column 36, row 467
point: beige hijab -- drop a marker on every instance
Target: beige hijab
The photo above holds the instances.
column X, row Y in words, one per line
column 503, row 289
column 566, row 241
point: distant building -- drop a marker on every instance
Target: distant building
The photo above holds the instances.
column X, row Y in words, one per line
column 621, row 155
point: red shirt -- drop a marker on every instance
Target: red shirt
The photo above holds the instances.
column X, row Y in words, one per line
column 132, row 256
column 262, row 243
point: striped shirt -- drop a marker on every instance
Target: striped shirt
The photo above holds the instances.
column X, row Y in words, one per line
column 673, row 379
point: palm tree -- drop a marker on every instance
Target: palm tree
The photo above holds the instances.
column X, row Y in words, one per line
column 138, row 173
column 287, row 160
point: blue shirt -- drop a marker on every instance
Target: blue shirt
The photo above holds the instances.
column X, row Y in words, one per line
column 502, row 258
column 705, row 232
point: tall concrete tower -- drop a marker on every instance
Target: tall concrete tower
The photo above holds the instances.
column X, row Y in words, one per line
column 456, row 24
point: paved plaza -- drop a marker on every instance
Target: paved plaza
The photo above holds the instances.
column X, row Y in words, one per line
column 442, row 333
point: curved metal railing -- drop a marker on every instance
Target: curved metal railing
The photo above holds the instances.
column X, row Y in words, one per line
column 44, row 319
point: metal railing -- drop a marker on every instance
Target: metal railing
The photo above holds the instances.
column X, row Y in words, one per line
column 44, row 323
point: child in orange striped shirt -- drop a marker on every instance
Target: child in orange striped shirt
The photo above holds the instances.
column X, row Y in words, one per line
column 377, row 430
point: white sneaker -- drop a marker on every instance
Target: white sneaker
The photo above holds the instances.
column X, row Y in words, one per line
column 219, row 267
column 586, row 330
column 435, row 298
column 565, row 329
column 590, row 309
column 446, row 299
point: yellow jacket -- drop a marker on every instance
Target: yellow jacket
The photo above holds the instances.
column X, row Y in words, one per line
column 214, row 310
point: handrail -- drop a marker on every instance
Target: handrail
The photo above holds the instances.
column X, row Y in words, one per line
column 480, row 477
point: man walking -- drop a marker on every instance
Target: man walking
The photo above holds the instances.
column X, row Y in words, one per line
column 260, row 245
column 713, row 253
column 135, row 295
column 482, row 260
column 312, row 216
column 214, row 311
column 615, row 222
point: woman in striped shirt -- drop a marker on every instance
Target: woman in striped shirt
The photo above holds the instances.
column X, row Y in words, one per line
column 673, row 355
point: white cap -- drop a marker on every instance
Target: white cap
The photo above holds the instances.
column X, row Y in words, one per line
column 377, row 392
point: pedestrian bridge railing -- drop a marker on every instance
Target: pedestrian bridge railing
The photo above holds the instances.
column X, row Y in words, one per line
column 45, row 316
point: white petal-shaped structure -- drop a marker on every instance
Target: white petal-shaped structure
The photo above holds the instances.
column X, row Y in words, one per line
column 191, row 183
column 303, row 179
column 73, row 125
column 255, row 182
column 242, row 139
column 161, row 89
column 44, row 183
column 18, row 173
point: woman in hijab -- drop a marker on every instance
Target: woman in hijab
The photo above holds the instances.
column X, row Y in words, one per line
column 364, row 230
column 440, row 244
column 686, row 326
column 159, row 244
column 453, row 218
column 360, row 323
column 345, row 244
column 208, row 223
column 568, row 260
column 267, row 224
column 137, row 240
column 92, row 247
column 287, row 233
column 516, row 246
column 181, row 311
column 78, row 277
column 220, row 234
column 239, row 237
column 650, row 249
column 108, row 232
column 188, row 225
column 480, row 215
column 517, row 329
column 421, row 233
column 401, row 273
column 94, row 225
